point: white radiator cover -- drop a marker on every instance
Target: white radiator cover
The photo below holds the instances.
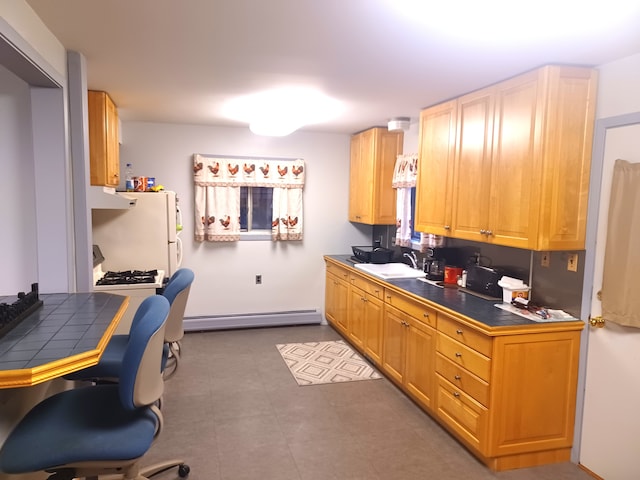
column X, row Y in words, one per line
column 273, row 319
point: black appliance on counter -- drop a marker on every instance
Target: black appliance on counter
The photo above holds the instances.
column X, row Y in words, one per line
column 438, row 257
column 374, row 254
column 484, row 280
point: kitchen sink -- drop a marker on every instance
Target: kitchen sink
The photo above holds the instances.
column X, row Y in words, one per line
column 386, row 271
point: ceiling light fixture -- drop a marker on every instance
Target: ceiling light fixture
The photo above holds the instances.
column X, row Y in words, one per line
column 399, row 124
column 282, row 111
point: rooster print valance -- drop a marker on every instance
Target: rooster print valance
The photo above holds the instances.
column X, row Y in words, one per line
column 243, row 172
column 217, row 195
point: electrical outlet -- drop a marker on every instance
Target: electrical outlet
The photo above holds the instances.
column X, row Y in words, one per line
column 572, row 262
column 258, row 279
column 545, row 260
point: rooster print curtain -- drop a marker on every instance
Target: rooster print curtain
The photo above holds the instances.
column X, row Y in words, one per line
column 217, row 195
column 404, row 179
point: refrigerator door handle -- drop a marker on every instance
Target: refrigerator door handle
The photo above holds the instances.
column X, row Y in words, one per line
column 179, row 251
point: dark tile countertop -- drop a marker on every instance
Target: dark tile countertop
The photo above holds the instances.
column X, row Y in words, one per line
column 65, row 325
column 475, row 308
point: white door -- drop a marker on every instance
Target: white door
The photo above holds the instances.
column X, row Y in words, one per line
column 610, row 441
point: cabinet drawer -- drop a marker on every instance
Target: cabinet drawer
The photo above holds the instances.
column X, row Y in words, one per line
column 461, row 378
column 464, row 356
column 338, row 271
column 415, row 309
column 372, row 288
column 462, row 414
column 465, row 335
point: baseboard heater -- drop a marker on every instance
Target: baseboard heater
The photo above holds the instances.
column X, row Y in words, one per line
column 272, row 319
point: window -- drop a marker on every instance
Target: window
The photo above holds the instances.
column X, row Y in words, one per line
column 256, row 207
column 241, row 197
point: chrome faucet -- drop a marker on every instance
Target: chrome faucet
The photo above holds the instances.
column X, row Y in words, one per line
column 412, row 257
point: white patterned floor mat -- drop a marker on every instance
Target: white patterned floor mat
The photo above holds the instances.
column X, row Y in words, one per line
column 315, row 363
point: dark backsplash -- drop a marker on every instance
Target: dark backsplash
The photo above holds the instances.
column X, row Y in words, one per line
column 553, row 286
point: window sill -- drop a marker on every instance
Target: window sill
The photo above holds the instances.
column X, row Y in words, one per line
column 255, row 235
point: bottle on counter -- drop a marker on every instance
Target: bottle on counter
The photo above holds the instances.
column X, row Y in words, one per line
column 129, row 186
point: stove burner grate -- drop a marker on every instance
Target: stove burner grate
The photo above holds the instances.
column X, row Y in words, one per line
column 128, row 277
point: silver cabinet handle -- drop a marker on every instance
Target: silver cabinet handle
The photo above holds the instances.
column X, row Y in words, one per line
column 458, row 354
column 489, row 232
column 483, row 232
column 457, row 377
column 456, row 394
column 447, row 227
column 459, row 332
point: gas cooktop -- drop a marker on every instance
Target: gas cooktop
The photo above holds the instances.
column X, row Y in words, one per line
column 128, row 277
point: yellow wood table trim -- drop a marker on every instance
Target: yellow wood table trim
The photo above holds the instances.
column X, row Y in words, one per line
column 27, row 377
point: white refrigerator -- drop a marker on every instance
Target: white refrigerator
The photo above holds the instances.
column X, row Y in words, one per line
column 143, row 237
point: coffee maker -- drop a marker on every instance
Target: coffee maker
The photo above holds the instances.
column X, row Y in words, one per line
column 437, row 258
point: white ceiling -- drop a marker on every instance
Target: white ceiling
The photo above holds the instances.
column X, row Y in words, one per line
column 177, row 60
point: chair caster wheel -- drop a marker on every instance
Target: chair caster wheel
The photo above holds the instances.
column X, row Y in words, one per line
column 183, row 470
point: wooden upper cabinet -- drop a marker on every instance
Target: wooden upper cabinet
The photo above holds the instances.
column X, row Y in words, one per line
column 567, row 132
column 515, row 163
column 472, row 165
column 521, row 163
column 373, row 156
column 434, row 182
column 104, row 151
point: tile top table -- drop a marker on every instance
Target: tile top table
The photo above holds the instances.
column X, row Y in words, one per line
column 67, row 333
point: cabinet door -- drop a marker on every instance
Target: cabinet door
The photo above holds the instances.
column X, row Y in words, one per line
column 534, row 392
column 360, row 181
column 515, row 163
column 113, row 145
column 568, row 141
column 420, row 363
column 393, row 353
column 472, row 171
column 373, row 328
column 104, row 151
column 356, row 316
column 336, row 302
column 373, row 156
column 435, row 172
column 387, row 147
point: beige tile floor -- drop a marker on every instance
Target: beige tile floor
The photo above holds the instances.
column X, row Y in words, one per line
column 234, row 412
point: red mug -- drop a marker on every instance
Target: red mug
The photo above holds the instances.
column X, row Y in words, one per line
column 451, row 275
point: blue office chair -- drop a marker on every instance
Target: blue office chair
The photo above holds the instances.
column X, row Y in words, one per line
column 108, row 368
column 103, row 429
column 177, row 292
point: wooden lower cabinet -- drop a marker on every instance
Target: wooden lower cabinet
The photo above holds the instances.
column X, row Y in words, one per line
column 365, row 317
column 533, row 399
column 507, row 393
column 510, row 398
column 409, row 347
column 336, row 306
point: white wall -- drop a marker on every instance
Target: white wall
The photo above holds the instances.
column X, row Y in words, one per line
column 18, row 211
column 619, row 87
column 38, row 118
column 292, row 272
column 34, row 37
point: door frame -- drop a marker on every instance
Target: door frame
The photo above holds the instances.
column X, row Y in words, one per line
column 597, row 164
